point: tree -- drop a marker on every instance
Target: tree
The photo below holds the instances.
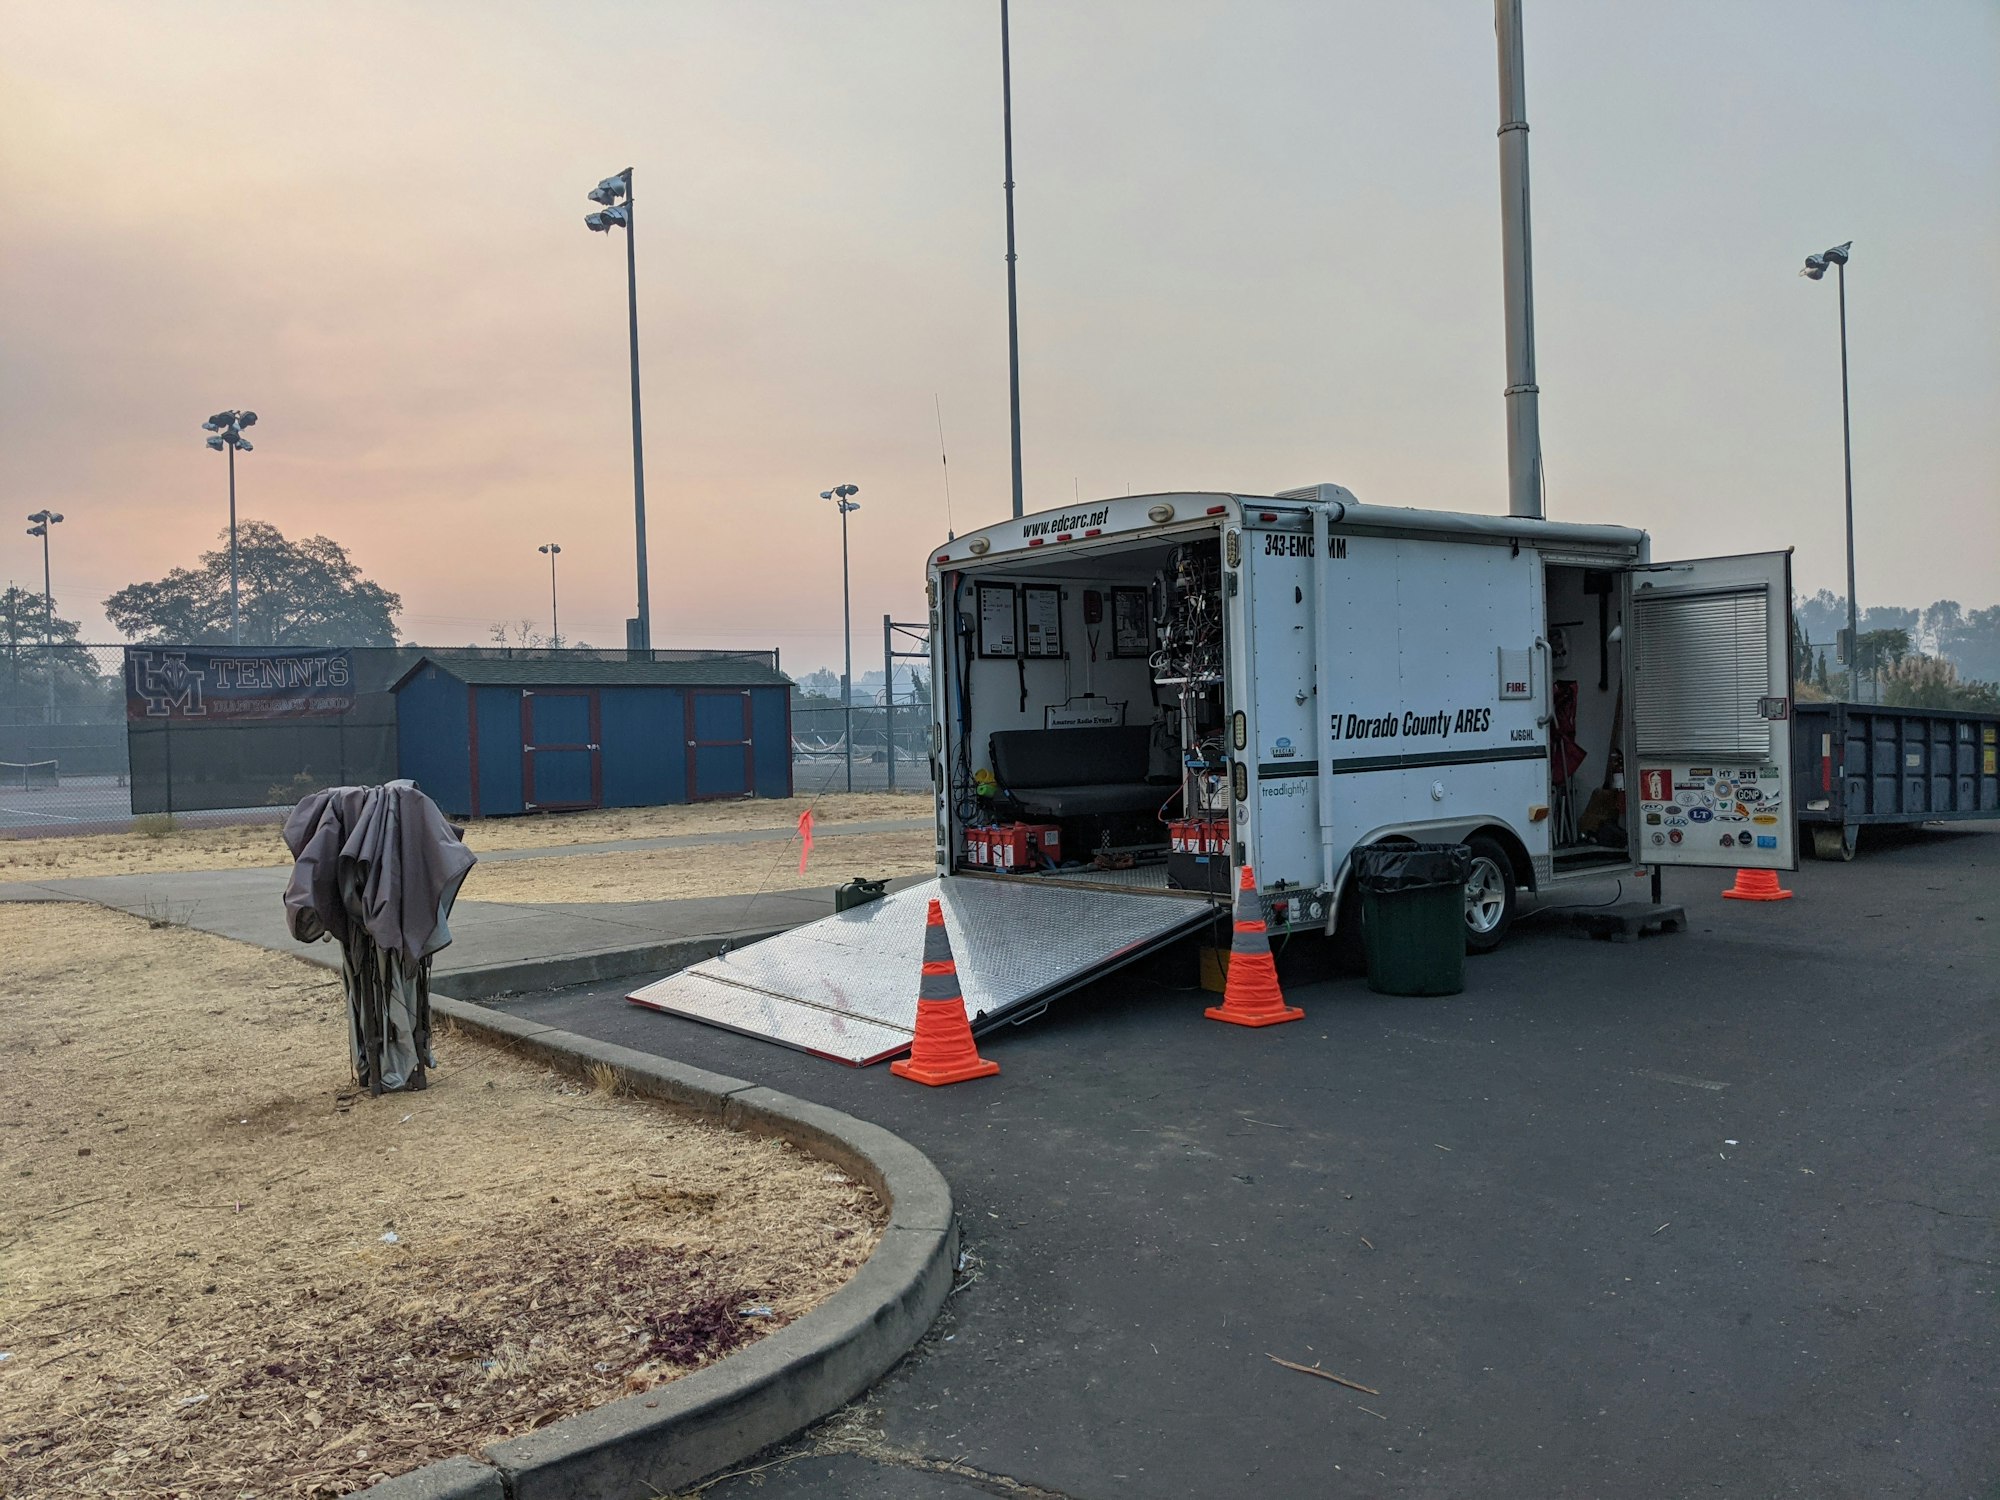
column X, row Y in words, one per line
column 305, row 593
column 1940, row 620
column 1824, row 614
column 1919, row 681
column 1973, row 644
column 44, row 673
column 821, row 684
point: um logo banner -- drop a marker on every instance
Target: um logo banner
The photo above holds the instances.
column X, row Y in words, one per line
column 197, row 682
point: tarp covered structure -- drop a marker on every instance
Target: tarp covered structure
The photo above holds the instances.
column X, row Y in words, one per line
column 377, row 869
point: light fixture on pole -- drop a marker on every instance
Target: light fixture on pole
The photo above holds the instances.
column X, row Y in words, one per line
column 44, row 519
column 550, row 550
column 226, row 433
column 1814, row 269
column 616, row 215
column 842, row 496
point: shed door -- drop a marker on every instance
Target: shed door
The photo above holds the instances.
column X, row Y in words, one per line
column 1708, row 698
column 561, row 765
column 718, row 744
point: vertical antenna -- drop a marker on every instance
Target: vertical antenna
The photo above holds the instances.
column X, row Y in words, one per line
column 950, row 531
column 1013, row 325
column 1523, row 396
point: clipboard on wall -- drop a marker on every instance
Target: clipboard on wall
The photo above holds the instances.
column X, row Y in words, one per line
column 999, row 623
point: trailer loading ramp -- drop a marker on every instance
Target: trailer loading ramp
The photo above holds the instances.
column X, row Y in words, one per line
column 845, row 987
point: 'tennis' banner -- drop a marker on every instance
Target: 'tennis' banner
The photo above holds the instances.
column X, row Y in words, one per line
column 222, row 683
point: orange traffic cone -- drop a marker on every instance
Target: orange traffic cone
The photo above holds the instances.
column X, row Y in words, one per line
column 1757, row 885
column 942, row 1050
column 1250, row 995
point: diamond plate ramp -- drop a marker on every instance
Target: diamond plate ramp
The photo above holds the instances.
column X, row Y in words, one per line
column 845, row 987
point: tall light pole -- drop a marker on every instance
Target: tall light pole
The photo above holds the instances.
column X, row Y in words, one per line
column 43, row 520
column 555, row 628
column 1814, row 269
column 616, row 215
column 1013, row 325
column 226, row 433
column 843, row 495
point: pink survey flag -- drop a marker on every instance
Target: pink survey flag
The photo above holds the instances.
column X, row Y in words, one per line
column 805, row 838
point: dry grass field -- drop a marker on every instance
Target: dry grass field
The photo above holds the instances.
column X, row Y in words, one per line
column 223, row 1272
column 250, row 846
column 704, row 870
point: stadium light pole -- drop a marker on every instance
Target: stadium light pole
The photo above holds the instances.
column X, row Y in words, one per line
column 44, row 519
column 555, row 628
column 843, row 495
column 225, row 431
column 616, row 215
column 1815, row 271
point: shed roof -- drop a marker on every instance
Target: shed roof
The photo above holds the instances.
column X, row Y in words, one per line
column 533, row 671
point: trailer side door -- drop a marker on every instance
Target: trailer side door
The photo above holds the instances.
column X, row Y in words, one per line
column 1708, row 694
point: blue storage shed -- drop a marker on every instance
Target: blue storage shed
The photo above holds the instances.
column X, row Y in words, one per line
column 486, row 737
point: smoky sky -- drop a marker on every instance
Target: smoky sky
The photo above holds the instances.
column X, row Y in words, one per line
column 1259, row 248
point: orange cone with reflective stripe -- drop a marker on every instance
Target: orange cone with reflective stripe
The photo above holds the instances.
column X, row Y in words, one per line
column 1250, row 996
column 1757, row 885
column 942, row 1050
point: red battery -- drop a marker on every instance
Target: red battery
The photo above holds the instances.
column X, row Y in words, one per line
column 978, row 846
column 1177, row 836
column 1025, row 846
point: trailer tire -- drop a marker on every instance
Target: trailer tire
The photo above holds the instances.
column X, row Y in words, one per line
column 1490, row 896
column 1834, row 843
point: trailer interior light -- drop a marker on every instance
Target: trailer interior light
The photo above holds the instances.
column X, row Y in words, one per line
column 1217, row 510
column 1160, row 513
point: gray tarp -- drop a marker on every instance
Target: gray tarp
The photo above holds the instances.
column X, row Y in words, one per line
column 377, row 871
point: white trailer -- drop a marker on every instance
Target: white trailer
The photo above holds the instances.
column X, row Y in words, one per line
column 1311, row 675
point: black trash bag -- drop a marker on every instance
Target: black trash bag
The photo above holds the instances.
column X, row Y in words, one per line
column 1383, row 869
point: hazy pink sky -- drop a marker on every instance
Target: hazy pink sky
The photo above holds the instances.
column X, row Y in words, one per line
column 1259, row 248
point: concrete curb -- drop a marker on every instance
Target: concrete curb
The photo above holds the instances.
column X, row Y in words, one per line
column 489, row 981
column 666, row 1439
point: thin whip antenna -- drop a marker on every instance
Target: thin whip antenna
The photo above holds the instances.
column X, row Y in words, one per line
column 951, row 532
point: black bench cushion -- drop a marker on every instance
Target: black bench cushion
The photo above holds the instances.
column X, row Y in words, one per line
column 1073, row 773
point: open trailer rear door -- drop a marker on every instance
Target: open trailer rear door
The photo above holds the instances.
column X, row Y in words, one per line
column 845, row 987
column 1708, row 693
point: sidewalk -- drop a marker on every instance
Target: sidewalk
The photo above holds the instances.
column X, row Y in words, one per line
column 248, row 905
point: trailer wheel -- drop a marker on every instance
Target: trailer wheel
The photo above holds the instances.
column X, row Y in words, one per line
column 1834, row 843
column 1489, row 895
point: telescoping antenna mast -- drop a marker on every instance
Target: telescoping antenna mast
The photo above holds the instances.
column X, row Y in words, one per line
column 1524, row 423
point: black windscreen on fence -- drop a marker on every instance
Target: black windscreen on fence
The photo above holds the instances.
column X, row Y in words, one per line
column 211, row 727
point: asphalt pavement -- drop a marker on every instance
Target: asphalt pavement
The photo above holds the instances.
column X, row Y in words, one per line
column 1707, row 1214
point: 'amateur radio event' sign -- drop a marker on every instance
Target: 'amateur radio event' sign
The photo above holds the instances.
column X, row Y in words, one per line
column 218, row 684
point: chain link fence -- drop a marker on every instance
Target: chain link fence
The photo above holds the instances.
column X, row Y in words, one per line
column 891, row 746
column 71, row 761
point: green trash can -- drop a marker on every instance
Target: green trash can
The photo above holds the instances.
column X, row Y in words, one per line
column 1413, row 916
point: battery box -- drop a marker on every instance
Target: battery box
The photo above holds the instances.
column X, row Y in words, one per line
column 1026, row 846
column 1198, row 854
column 1020, row 847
